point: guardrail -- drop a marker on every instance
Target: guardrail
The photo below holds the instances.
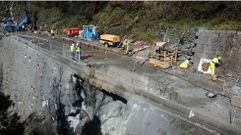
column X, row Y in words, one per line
column 31, row 36
column 91, row 44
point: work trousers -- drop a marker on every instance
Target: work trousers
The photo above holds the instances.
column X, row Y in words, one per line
column 77, row 56
column 73, row 55
column 127, row 49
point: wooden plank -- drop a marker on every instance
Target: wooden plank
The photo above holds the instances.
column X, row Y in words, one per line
column 162, row 54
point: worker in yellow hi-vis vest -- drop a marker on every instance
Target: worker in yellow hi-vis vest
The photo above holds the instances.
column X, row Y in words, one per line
column 215, row 61
column 72, row 50
column 126, row 46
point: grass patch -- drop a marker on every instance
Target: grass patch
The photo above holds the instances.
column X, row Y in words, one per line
column 212, row 25
column 144, row 35
column 143, row 22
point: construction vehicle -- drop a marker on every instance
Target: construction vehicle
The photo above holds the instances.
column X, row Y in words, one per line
column 8, row 25
column 109, row 40
column 11, row 26
column 72, row 32
column 89, row 33
column 159, row 57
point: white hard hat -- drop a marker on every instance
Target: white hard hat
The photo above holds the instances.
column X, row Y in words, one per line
column 72, row 44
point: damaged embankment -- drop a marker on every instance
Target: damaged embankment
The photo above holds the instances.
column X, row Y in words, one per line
column 41, row 81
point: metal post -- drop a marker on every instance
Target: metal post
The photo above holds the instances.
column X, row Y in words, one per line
column 79, row 56
column 37, row 41
column 135, row 63
column 50, row 45
column 173, row 70
column 10, row 40
column 63, row 50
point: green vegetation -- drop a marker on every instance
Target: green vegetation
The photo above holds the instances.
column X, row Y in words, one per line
column 186, row 133
column 142, row 20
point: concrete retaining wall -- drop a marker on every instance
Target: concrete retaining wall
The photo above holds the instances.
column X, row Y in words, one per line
column 163, row 90
column 223, row 43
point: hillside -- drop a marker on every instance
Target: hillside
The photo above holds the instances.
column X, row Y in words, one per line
column 140, row 89
column 141, row 19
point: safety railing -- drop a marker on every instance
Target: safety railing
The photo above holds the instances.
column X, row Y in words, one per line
column 63, row 48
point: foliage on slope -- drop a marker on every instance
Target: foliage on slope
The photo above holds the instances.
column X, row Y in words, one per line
column 141, row 19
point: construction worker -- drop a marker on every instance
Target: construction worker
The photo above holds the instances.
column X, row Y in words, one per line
column 52, row 33
column 23, row 27
column 184, row 65
column 127, row 48
column 72, row 50
column 126, row 45
column 78, row 52
column 215, row 61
